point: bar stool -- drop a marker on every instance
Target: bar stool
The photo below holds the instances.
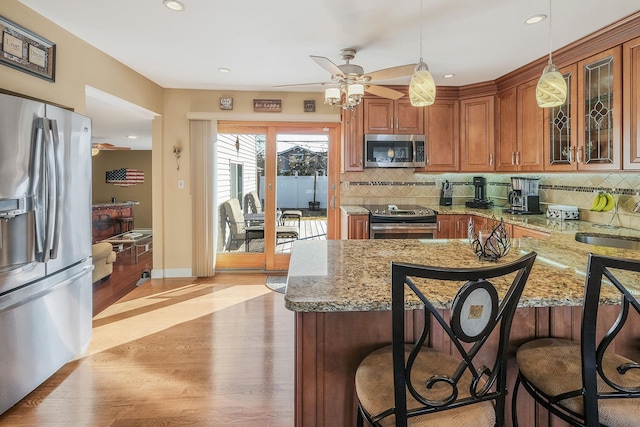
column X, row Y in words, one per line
column 291, row 214
column 587, row 383
column 125, row 224
column 408, row 383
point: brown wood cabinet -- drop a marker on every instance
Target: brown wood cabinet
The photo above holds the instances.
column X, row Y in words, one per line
column 352, row 140
column 519, row 130
column 441, row 124
column 452, row 226
column 599, row 111
column 631, row 107
column 519, row 232
column 386, row 116
column 477, row 134
column 354, row 226
column 506, row 119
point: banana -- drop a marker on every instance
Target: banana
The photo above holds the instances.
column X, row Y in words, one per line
column 596, row 201
column 602, row 203
column 611, row 202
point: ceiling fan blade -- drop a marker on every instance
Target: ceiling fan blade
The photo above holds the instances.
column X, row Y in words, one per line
column 392, row 73
column 328, row 65
column 306, row 84
column 383, row 92
column 105, row 146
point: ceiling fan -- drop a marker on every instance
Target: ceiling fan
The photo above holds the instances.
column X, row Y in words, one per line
column 352, row 80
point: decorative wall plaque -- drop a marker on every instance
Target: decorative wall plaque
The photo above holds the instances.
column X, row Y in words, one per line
column 267, row 105
column 26, row 51
column 309, row 106
column 226, row 103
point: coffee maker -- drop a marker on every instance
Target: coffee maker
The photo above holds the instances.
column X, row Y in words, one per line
column 480, row 196
column 523, row 196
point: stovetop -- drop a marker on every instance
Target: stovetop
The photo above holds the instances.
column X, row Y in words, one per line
column 400, row 211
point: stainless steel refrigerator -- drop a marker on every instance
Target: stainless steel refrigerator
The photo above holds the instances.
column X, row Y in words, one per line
column 45, row 242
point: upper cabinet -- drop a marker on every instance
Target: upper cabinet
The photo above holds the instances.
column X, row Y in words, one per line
column 387, row 116
column 631, row 99
column 441, row 124
column 561, row 140
column 519, row 130
column 599, row 111
column 476, row 134
column 352, row 140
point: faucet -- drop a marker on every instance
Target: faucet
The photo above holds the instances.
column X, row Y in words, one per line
column 636, row 207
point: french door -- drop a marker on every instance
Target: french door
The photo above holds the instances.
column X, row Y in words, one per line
column 267, row 174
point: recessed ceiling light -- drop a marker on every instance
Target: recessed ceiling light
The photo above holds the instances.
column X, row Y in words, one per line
column 224, row 70
column 132, row 137
column 535, row 19
column 448, row 76
column 174, row 5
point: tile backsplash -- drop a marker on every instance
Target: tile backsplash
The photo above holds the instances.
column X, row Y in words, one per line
column 384, row 186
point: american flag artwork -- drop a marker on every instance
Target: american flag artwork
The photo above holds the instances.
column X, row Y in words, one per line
column 125, row 177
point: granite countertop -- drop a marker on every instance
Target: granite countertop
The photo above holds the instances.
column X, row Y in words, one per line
column 354, row 275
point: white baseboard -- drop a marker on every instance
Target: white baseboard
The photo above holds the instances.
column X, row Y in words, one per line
column 171, row 273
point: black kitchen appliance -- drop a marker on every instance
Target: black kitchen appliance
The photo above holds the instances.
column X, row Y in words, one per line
column 480, row 200
column 401, row 222
column 523, row 196
column 446, row 195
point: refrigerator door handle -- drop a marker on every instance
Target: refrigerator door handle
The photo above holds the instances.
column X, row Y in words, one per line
column 49, row 190
column 57, row 173
column 38, row 173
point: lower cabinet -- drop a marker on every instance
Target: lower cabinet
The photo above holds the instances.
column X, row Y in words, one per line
column 354, row 226
column 528, row 232
column 452, row 226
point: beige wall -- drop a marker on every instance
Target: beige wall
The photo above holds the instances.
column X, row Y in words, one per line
column 103, row 192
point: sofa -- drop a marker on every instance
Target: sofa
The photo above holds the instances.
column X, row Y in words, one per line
column 103, row 258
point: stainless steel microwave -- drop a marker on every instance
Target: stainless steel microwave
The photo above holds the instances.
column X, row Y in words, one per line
column 394, row 151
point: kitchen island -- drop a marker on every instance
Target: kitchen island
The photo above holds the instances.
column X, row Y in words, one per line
column 340, row 291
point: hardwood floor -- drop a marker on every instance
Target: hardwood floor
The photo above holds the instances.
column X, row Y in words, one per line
column 173, row 352
column 125, row 276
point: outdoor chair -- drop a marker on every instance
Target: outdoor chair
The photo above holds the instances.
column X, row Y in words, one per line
column 586, row 383
column 241, row 232
column 409, row 383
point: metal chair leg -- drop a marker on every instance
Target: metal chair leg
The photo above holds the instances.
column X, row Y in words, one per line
column 514, row 403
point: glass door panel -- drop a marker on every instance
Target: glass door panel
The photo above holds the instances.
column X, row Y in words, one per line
column 598, row 110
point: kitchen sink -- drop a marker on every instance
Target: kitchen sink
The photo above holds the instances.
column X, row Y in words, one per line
column 608, row 240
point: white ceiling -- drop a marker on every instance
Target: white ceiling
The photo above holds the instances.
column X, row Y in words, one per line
column 268, row 43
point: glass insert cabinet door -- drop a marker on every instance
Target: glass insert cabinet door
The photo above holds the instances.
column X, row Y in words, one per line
column 562, row 140
column 600, row 107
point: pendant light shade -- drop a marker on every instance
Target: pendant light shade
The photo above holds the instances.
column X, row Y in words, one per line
column 422, row 89
column 552, row 88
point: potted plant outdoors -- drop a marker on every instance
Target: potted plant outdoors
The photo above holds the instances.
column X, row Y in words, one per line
column 313, row 163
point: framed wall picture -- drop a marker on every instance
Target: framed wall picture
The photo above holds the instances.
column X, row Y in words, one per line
column 26, row 51
column 226, row 103
column 309, row 105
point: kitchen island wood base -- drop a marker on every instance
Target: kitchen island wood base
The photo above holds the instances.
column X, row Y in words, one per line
column 330, row 345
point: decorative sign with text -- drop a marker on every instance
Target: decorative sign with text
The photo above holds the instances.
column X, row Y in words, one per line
column 267, row 105
column 25, row 51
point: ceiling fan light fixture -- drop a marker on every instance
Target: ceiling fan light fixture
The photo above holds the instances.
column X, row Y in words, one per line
column 355, row 92
column 332, row 96
column 551, row 90
column 422, row 89
column 95, row 151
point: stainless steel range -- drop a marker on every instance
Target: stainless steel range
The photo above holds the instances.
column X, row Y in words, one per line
column 401, row 222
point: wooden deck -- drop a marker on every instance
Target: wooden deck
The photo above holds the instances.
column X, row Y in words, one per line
column 310, row 229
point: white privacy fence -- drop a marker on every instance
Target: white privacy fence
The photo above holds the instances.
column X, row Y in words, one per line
column 297, row 191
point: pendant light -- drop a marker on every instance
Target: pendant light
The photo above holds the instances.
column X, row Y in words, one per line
column 552, row 88
column 422, row 89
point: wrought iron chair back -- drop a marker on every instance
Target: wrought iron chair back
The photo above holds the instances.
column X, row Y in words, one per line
column 475, row 373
